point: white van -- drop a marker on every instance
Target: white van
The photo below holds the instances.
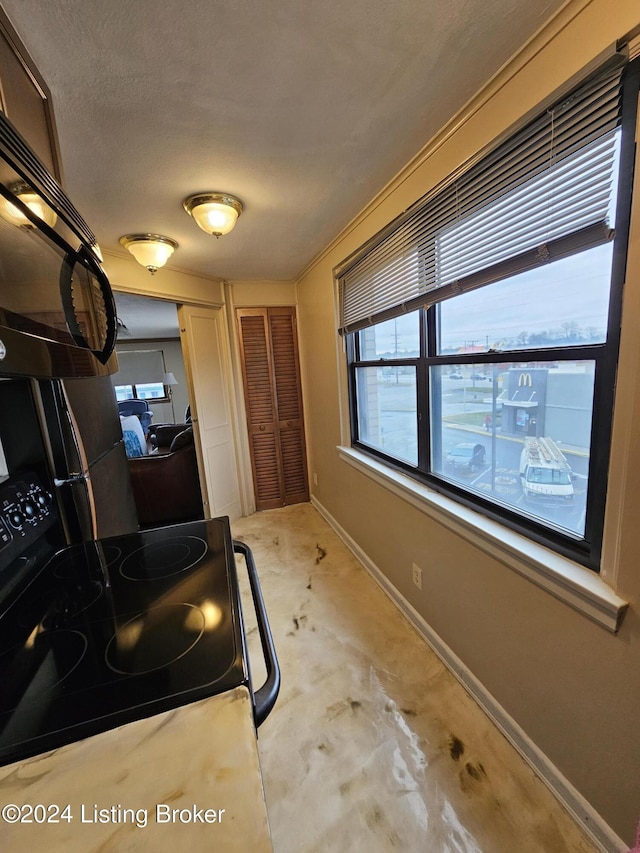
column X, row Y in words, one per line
column 545, row 474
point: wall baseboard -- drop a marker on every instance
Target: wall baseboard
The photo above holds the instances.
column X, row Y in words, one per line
column 578, row 807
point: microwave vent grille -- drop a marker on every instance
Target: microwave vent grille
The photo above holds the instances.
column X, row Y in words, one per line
column 22, row 159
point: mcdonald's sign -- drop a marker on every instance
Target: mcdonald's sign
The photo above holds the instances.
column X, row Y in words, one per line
column 524, row 379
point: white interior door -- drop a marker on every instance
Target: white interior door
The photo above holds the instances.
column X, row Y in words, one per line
column 205, row 345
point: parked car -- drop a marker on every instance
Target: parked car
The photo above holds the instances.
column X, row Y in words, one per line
column 456, row 375
column 480, row 376
column 465, row 456
column 545, row 474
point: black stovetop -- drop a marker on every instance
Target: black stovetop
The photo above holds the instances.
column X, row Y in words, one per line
column 119, row 629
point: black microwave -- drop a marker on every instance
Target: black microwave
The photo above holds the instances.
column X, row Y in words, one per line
column 57, row 314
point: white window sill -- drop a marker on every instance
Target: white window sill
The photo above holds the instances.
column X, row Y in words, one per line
column 581, row 588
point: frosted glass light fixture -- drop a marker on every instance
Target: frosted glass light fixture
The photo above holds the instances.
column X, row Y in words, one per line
column 216, row 213
column 33, row 201
column 150, row 250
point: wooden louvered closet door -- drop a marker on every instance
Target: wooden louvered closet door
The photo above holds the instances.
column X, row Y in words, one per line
column 273, row 398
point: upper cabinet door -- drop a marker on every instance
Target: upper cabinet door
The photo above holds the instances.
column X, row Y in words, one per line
column 25, row 98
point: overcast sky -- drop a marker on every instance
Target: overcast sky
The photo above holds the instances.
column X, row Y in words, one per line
column 574, row 289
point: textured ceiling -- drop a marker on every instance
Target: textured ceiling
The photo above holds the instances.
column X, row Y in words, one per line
column 304, row 110
column 141, row 317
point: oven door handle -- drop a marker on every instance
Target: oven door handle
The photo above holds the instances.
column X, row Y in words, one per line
column 265, row 697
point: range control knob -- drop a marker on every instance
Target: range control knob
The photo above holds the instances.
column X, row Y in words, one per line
column 16, row 518
column 29, row 509
column 43, row 499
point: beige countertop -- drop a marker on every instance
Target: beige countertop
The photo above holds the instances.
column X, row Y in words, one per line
column 184, row 779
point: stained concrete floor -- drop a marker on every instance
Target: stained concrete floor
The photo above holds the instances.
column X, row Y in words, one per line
column 373, row 745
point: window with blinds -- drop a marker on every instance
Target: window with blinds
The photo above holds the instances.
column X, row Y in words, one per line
column 482, row 325
column 141, row 376
column 545, row 193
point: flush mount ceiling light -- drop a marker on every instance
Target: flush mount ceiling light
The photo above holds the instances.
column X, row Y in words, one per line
column 150, row 250
column 33, row 201
column 215, row 213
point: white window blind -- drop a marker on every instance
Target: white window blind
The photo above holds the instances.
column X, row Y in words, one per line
column 542, row 195
column 138, row 367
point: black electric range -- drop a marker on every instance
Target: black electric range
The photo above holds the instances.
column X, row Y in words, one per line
column 111, row 631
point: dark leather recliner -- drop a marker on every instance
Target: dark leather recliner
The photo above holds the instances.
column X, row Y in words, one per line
column 166, row 487
column 161, row 435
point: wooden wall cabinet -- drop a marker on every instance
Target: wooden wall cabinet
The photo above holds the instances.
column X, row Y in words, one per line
column 273, row 399
column 25, row 98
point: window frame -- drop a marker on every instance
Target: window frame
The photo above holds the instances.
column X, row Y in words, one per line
column 133, row 386
column 585, row 550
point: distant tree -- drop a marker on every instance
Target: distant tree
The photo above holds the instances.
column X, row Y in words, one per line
column 593, row 334
column 539, row 338
column 571, row 330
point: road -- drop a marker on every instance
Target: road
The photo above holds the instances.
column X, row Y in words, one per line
column 503, row 483
column 500, row 482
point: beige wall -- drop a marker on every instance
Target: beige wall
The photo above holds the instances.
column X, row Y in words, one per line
column 572, row 686
column 127, row 275
column 170, row 283
column 258, row 294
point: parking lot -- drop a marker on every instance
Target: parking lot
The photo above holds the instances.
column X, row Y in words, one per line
column 465, row 405
column 500, row 480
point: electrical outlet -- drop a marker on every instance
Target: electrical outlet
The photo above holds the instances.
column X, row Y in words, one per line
column 416, row 574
